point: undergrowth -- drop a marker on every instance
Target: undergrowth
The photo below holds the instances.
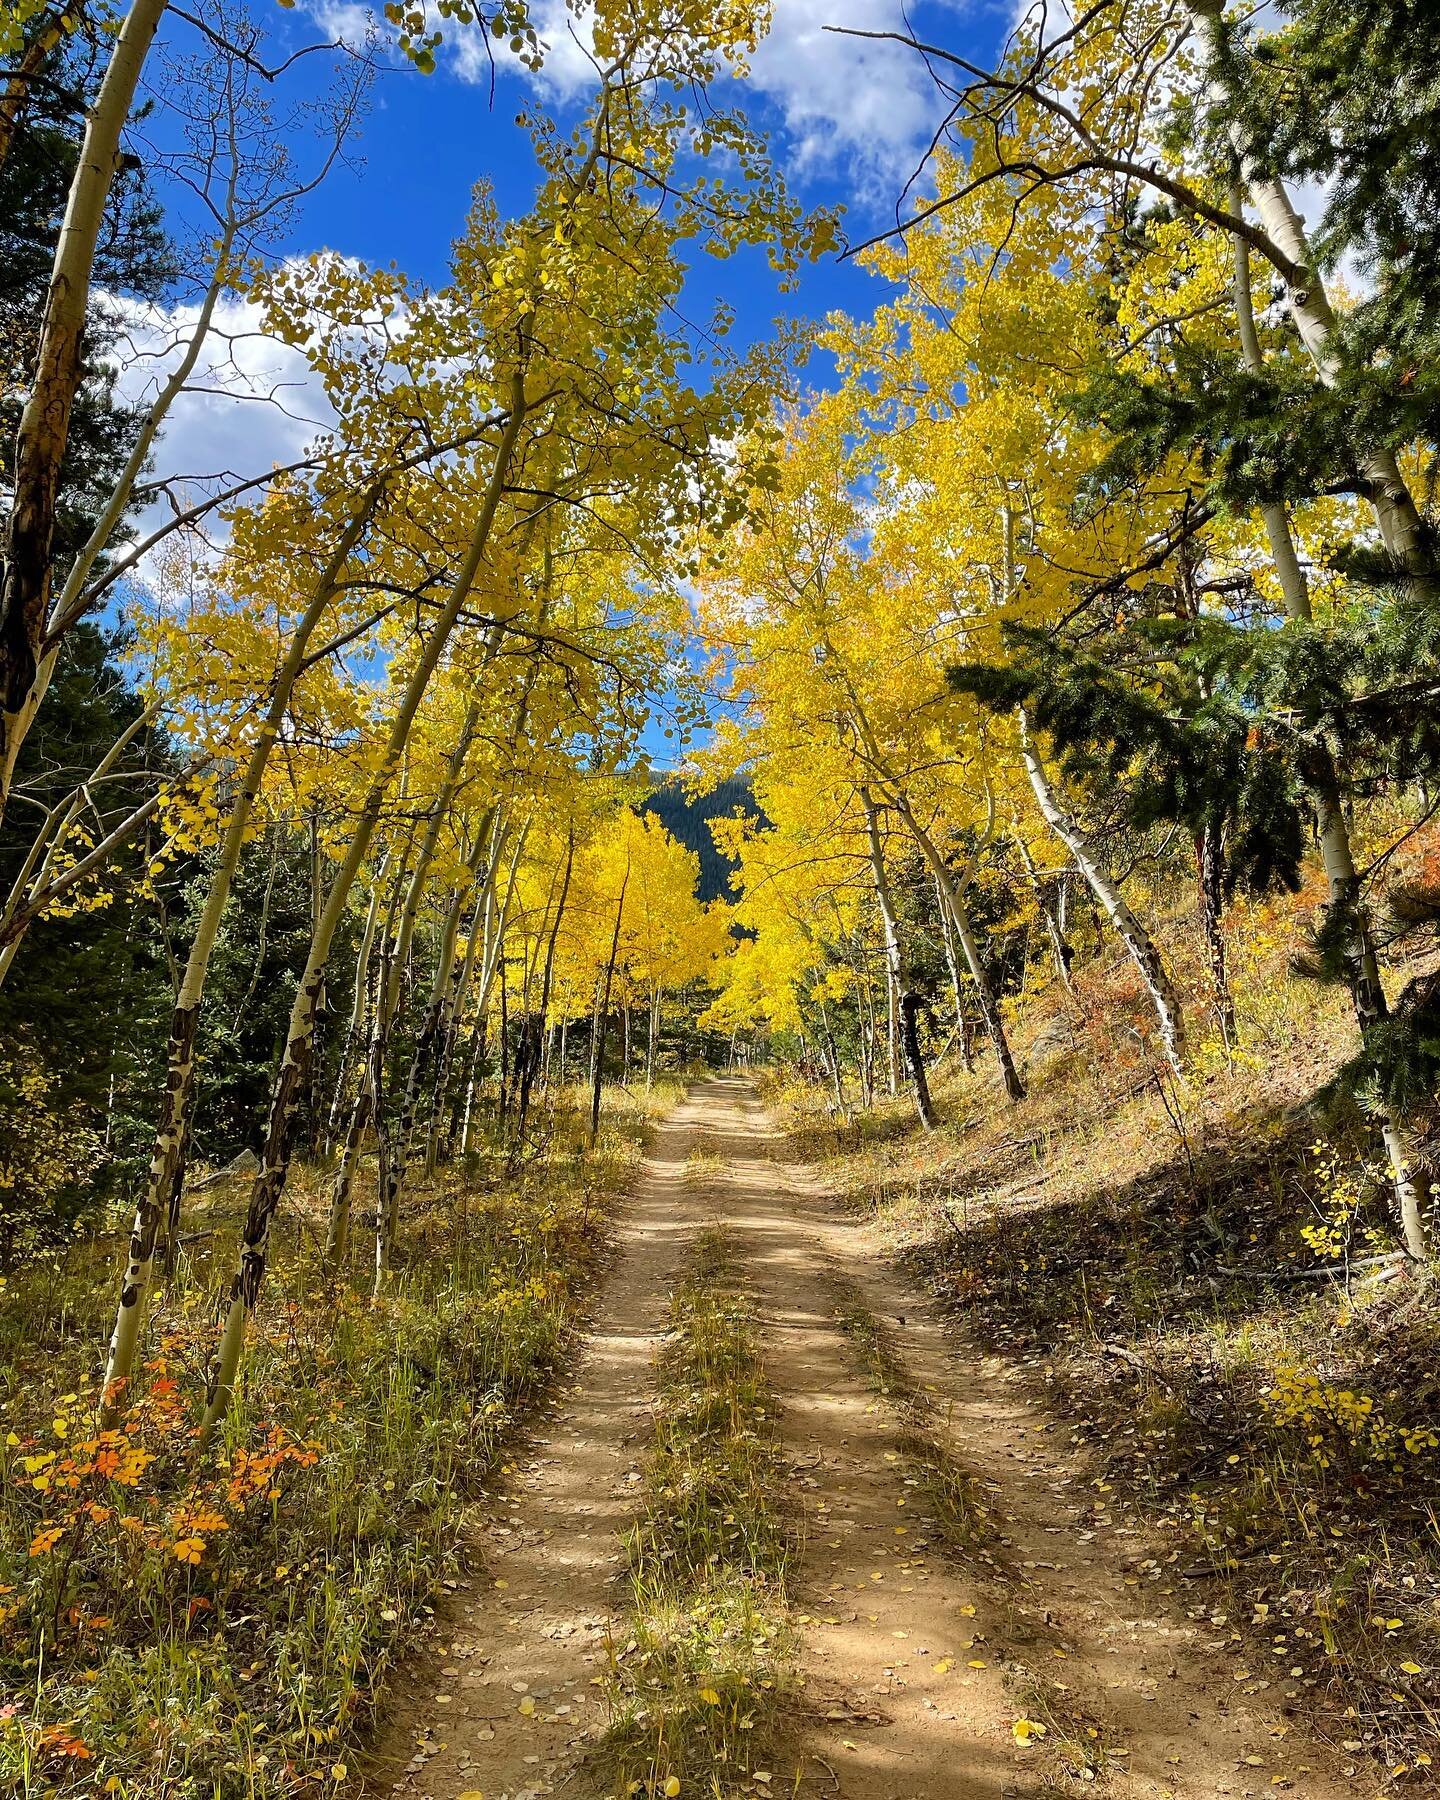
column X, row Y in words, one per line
column 180, row 1624
column 696, row 1687
column 1200, row 1276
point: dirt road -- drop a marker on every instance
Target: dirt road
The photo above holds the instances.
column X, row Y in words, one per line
column 919, row 1668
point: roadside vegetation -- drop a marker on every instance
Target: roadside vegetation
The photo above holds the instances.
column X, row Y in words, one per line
column 187, row 1621
column 699, row 1681
column 1203, row 1278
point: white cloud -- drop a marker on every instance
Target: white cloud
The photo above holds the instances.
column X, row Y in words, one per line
column 251, row 404
column 845, row 104
column 347, row 22
column 863, row 106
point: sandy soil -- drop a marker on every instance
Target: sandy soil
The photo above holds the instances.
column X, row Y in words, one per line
column 916, row 1664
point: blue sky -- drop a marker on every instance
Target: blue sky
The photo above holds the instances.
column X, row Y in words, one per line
column 847, row 122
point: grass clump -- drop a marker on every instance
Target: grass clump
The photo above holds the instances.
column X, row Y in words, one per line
column 696, row 1688
column 220, row 1624
column 954, row 1495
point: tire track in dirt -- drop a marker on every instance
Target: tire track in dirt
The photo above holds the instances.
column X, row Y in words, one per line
column 512, row 1699
column 896, row 1626
column 905, row 1651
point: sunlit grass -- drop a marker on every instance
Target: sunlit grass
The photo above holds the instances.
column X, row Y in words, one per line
column 697, row 1682
column 223, row 1624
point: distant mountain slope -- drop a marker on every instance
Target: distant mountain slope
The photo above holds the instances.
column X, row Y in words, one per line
column 687, row 819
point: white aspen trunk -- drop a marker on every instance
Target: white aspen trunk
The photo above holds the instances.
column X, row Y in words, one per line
column 492, row 960
column 603, row 1013
column 654, row 1037
column 1412, row 1184
column 952, row 960
column 463, row 969
column 371, row 992
column 391, row 1175
column 1137, row 940
column 337, row 1237
column 271, row 1177
column 1294, row 588
column 71, row 606
column 355, row 1033
column 895, row 964
column 892, row 1030
column 167, row 1160
column 44, row 429
column 1060, row 952
column 1396, row 513
column 965, row 936
column 832, row 1056
column 536, row 1040
column 493, row 963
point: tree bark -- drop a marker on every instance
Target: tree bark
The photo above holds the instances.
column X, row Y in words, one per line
column 166, row 1174
column 1346, row 898
column 909, row 1001
column 1061, row 953
column 271, row 1177
column 1209, row 859
column 391, row 1177
column 960, row 924
column 603, row 1014
column 44, row 429
column 537, row 1033
column 1396, row 513
column 1137, row 940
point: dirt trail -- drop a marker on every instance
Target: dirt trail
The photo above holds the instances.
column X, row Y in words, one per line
column 533, row 1623
column 914, row 1662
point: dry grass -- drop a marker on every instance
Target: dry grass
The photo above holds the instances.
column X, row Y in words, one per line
column 1136, row 1245
column 696, row 1686
column 183, row 1624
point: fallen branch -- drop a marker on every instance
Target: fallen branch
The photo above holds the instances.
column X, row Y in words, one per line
column 1391, row 1260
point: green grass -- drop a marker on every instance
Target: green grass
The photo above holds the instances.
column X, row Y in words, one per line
column 222, row 1625
column 697, row 1686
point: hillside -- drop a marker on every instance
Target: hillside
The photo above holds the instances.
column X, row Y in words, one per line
column 687, row 817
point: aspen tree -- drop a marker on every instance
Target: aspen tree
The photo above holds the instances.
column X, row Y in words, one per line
column 908, row 1000
column 1131, row 932
column 45, row 421
column 270, row 1179
column 1346, row 900
column 1309, row 304
column 167, row 1163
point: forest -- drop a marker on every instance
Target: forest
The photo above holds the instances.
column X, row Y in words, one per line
column 719, row 909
